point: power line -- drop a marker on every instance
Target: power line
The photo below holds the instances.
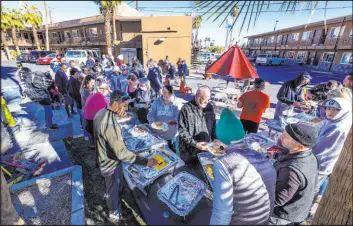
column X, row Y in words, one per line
column 268, row 11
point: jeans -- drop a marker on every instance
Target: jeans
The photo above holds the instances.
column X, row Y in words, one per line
column 48, row 115
column 113, row 190
column 80, row 112
column 280, row 107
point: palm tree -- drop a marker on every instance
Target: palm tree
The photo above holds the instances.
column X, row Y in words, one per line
column 15, row 21
column 106, row 8
column 46, row 26
column 335, row 207
column 33, row 17
column 5, row 25
column 252, row 9
column 196, row 24
column 207, row 39
column 234, row 15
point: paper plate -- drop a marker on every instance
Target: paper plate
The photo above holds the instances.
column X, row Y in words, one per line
column 163, row 127
column 292, row 120
column 212, row 147
column 289, row 113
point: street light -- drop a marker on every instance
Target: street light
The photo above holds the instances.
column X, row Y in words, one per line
column 275, row 25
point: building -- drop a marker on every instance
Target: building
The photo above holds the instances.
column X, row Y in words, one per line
column 142, row 36
column 326, row 47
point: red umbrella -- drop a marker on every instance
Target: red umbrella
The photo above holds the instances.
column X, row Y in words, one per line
column 233, row 63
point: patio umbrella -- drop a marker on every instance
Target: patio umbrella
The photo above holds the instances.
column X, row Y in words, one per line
column 233, row 63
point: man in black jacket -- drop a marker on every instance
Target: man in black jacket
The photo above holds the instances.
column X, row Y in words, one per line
column 319, row 92
column 291, row 93
column 61, row 81
column 197, row 126
column 297, row 174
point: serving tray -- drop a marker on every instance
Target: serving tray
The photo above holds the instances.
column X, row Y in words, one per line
column 182, row 193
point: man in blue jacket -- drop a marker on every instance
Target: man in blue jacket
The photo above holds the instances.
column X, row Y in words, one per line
column 183, row 70
column 291, row 93
column 155, row 77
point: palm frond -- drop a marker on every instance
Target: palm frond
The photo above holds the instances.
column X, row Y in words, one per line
column 240, row 11
column 225, row 9
column 216, row 11
column 251, row 15
column 230, row 11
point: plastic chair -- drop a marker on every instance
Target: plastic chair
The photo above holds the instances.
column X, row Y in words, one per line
column 184, row 89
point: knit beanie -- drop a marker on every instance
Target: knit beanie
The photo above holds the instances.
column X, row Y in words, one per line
column 303, row 133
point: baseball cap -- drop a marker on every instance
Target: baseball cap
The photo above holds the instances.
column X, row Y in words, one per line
column 332, row 104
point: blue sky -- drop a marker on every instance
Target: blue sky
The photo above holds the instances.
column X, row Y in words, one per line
column 67, row 10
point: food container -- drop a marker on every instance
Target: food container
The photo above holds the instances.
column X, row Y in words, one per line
column 182, row 193
column 207, row 161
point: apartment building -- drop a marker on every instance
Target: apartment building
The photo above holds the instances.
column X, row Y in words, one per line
column 142, row 36
column 328, row 47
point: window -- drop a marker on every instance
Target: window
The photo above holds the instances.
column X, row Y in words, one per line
column 25, row 35
column 290, row 54
column 335, row 32
column 75, row 54
column 327, row 57
column 40, row 36
column 347, row 58
column 7, row 36
column 275, row 56
column 293, row 37
column 306, row 35
column 67, row 34
column 93, row 32
column 301, row 55
column 83, row 54
column 55, row 35
column 272, row 39
column 279, row 38
column 18, row 35
column 75, row 34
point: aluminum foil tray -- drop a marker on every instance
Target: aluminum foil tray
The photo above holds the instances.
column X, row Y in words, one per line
column 182, row 193
column 304, row 117
column 144, row 143
column 130, row 132
column 207, row 158
column 144, row 175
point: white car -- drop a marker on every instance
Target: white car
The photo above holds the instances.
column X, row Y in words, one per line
column 204, row 57
column 79, row 56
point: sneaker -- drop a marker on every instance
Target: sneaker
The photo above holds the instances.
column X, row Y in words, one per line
column 53, row 127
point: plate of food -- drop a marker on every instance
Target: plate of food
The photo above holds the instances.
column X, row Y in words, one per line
column 161, row 162
column 138, row 131
column 160, row 126
column 289, row 113
column 126, row 117
column 292, row 120
column 216, row 149
column 209, row 171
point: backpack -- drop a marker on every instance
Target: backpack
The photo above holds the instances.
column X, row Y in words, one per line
column 37, row 85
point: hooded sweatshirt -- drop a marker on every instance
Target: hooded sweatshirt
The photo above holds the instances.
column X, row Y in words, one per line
column 155, row 77
column 331, row 137
column 161, row 112
column 291, row 91
column 118, row 82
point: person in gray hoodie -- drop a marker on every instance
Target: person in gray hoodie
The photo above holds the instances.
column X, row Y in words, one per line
column 332, row 135
column 166, row 109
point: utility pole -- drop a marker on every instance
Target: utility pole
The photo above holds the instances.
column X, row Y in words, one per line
column 275, row 25
column 46, row 26
column 50, row 16
column 137, row 5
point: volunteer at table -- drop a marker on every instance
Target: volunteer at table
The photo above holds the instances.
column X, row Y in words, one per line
column 112, row 151
column 243, row 188
column 319, row 92
column 166, row 109
column 197, row 126
column 291, row 93
column 144, row 97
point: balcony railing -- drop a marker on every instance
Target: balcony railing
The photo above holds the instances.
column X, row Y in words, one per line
column 100, row 38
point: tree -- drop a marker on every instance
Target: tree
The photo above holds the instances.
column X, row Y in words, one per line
column 196, row 24
column 15, row 21
column 5, row 25
column 46, row 26
column 234, row 15
column 335, row 207
column 106, row 9
column 33, row 17
column 252, row 9
column 207, row 39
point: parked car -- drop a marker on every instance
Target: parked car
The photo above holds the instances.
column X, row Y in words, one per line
column 35, row 55
column 95, row 54
column 204, row 57
column 48, row 58
column 79, row 56
column 23, row 57
column 252, row 58
column 269, row 59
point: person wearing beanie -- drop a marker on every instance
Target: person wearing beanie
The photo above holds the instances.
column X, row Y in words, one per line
column 254, row 104
column 297, row 174
column 229, row 128
column 332, row 135
column 291, row 93
column 145, row 96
